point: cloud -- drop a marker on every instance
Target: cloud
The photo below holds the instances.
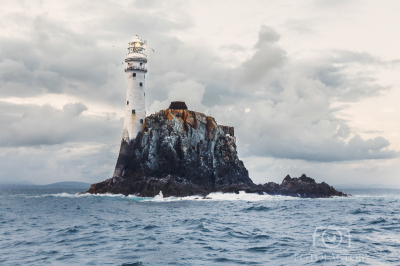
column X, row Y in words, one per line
column 267, row 169
column 281, row 105
column 299, row 132
column 233, row 47
column 58, row 54
column 268, row 56
column 189, row 92
column 30, row 125
column 289, row 99
column 74, row 109
column 84, row 162
column 266, row 35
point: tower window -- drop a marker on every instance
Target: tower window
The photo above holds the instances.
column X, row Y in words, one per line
column 134, row 75
column 144, row 94
column 133, row 112
column 140, row 63
column 141, row 84
column 127, row 102
column 141, row 121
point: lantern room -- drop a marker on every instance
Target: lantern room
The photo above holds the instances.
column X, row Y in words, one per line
column 137, row 46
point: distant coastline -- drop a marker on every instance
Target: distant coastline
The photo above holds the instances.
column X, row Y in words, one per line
column 365, row 186
column 58, row 185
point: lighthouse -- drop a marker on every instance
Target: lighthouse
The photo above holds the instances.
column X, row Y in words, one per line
column 135, row 111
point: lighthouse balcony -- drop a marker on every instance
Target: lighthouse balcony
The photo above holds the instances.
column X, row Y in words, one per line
column 136, row 57
column 140, row 68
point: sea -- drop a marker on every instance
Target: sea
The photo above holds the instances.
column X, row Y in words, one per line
column 63, row 227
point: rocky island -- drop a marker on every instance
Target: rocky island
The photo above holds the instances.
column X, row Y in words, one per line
column 182, row 153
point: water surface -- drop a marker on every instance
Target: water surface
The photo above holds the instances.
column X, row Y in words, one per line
column 58, row 227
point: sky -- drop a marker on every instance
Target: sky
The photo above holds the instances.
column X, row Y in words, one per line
column 310, row 86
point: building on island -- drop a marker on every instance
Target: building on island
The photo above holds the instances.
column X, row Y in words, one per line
column 135, row 110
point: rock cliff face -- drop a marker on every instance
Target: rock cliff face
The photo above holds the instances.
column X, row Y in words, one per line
column 177, row 148
column 182, row 152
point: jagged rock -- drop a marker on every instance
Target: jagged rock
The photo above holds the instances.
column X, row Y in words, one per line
column 179, row 152
column 304, row 187
column 182, row 152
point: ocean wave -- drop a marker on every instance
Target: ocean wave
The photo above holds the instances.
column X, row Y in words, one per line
column 243, row 228
column 359, row 211
column 256, row 208
column 215, row 196
column 132, row 263
column 219, row 196
column 378, row 221
column 262, row 249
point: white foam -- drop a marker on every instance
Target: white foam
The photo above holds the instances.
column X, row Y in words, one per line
column 219, row 196
column 159, row 197
column 215, row 196
column 77, row 195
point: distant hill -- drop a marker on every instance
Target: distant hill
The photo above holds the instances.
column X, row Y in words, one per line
column 58, row 185
column 18, row 183
column 68, row 185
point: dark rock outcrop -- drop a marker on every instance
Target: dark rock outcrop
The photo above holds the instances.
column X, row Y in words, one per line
column 182, row 153
column 304, row 187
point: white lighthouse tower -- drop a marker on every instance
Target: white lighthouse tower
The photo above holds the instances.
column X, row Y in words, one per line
column 135, row 111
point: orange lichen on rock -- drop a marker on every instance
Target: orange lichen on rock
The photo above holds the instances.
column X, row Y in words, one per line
column 209, row 123
column 168, row 115
column 189, row 118
column 185, row 116
column 210, row 126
